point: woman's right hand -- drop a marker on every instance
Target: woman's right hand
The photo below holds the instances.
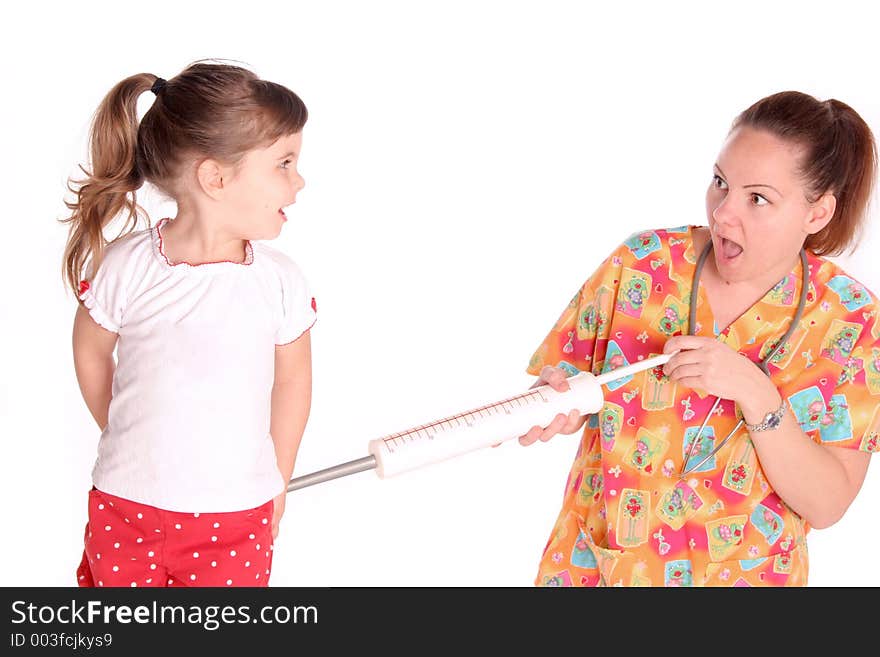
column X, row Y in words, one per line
column 555, row 377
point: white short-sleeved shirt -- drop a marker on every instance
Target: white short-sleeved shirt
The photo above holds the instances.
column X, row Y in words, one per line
column 188, row 427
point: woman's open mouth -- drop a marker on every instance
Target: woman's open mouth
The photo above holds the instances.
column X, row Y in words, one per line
column 730, row 249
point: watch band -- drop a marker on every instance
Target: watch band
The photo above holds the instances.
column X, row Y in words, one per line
column 772, row 420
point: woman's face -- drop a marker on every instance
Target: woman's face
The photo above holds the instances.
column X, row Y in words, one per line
column 757, row 207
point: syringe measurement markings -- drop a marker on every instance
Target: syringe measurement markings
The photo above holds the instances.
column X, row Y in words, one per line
column 490, row 409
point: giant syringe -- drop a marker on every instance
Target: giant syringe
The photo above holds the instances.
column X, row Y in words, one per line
column 480, row 427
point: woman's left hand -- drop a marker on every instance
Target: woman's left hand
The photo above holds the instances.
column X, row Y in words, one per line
column 712, row 366
column 279, row 511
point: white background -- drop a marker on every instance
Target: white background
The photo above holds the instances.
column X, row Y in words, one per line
column 468, row 164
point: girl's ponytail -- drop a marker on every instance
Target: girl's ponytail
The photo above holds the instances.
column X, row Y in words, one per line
column 110, row 187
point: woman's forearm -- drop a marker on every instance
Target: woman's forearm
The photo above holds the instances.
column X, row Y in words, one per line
column 808, row 477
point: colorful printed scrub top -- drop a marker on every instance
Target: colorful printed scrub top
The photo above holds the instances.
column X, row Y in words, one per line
column 627, row 519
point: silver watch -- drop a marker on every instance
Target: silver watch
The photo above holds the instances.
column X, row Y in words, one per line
column 772, row 420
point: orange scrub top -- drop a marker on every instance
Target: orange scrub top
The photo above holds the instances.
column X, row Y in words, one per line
column 627, row 518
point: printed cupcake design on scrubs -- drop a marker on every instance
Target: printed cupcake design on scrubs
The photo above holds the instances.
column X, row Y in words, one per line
column 615, row 359
column 594, row 318
column 808, row 407
column 767, row 522
column 852, row 294
column 590, row 486
column 647, row 452
column 643, row 244
column 836, row 423
column 725, row 536
column 559, row 579
column 635, row 288
column 839, row 341
column 581, row 555
column 632, row 515
column 678, row 504
column 702, row 449
column 871, row 439
column 610, row 422
column 678, row 573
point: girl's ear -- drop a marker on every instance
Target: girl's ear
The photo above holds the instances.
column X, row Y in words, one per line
column 821, row 212
column 211, row 176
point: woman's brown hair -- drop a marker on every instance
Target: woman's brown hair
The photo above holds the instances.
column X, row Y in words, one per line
column 209, row 110
column 839, row 157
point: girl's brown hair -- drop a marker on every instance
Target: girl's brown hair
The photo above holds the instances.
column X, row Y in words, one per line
column 209, row 110
column 840, row 157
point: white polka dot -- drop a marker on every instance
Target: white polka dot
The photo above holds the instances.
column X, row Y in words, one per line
column 152, row 566
column 258, row 576
column 149, row 580
column 195, row 555
column 267, row 571
column 232, row 553
column 140, row 516
column 228, row 582
column 251, row 536
column 213, row 539
column 90, row 534
column 192, row 577
column 100, row 583
column 150, row 553
column 134, row 584
column 111, row 503
column 247, row 564
column 100, row 507
column 265, row 521
column 158, row 531
column 116, row 545
column 258, row 546
column 82, row 576
column 140, row 540
column 195, row 515
column 177, row 526
column 115, row 569
column 170, row 580
column 108, row 528
column 216, row 525
column 98, row 555
column 213, row 564
column 127, row 520
column 267, row 553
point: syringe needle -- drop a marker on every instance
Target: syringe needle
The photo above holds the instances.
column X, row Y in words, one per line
column 341, row 470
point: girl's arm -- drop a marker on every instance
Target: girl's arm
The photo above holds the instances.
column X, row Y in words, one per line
column 93, row 361
column 291, row 400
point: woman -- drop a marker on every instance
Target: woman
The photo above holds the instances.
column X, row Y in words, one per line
column 776, row 347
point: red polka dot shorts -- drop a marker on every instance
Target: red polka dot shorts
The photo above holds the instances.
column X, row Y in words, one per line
column 132, row 544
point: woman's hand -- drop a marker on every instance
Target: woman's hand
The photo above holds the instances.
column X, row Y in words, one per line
column 278, row 512
column 555, row 377
column 712, row 366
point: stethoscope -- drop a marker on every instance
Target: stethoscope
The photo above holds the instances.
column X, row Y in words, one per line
column 692, row 321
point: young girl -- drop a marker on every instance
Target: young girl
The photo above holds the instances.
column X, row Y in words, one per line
column 203, row 411
column 711, row 470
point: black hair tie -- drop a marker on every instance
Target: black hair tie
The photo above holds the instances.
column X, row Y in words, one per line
column 158, row 85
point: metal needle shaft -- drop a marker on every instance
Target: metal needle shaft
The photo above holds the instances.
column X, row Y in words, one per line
column 341, row 470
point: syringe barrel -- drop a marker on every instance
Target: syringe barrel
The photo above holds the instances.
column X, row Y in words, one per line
column 484, row 426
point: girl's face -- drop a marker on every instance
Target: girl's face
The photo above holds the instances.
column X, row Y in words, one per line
column 265, row 182
column 757, row 208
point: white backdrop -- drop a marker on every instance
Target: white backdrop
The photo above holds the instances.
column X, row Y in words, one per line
column 468, row 164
